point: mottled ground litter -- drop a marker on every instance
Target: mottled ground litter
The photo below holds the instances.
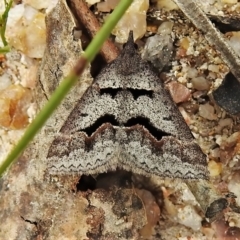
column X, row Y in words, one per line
column 117, row 205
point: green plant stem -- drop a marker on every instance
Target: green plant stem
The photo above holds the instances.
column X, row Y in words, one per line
column 66, row 84
column 5, row 49
column 4, row 18
column 109, row 25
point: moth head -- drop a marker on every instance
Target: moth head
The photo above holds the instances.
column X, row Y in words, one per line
column 129, row 60
column 130, row 45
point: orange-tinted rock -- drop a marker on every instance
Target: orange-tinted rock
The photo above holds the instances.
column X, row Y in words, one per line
column 214, row 168
column 5, row 119
column 14, row 102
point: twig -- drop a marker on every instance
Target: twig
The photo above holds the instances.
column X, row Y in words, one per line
column 194, row 12
column 83, row 14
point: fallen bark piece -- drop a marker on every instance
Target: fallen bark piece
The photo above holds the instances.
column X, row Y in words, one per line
column 227, row 95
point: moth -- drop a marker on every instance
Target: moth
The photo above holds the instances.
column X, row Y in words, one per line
column 127, row 120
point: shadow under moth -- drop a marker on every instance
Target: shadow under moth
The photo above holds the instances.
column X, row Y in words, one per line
column 127, row 120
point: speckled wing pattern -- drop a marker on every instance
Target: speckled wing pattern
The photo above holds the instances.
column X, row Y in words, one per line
column 126, row 119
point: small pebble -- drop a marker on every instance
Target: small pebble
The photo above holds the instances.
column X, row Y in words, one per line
column 14, row 102
column 33, row 45
column 188, row 216
column 207, row 111
column 166, row 4
column 178, row 92
column 133, row 19
column 226, row 122
column 213, row 68
column 192, row 72
column 200, row 83
column 184, row 43
column 214, row 168
column 158, row 48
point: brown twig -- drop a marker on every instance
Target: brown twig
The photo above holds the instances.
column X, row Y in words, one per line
column 84, row 15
